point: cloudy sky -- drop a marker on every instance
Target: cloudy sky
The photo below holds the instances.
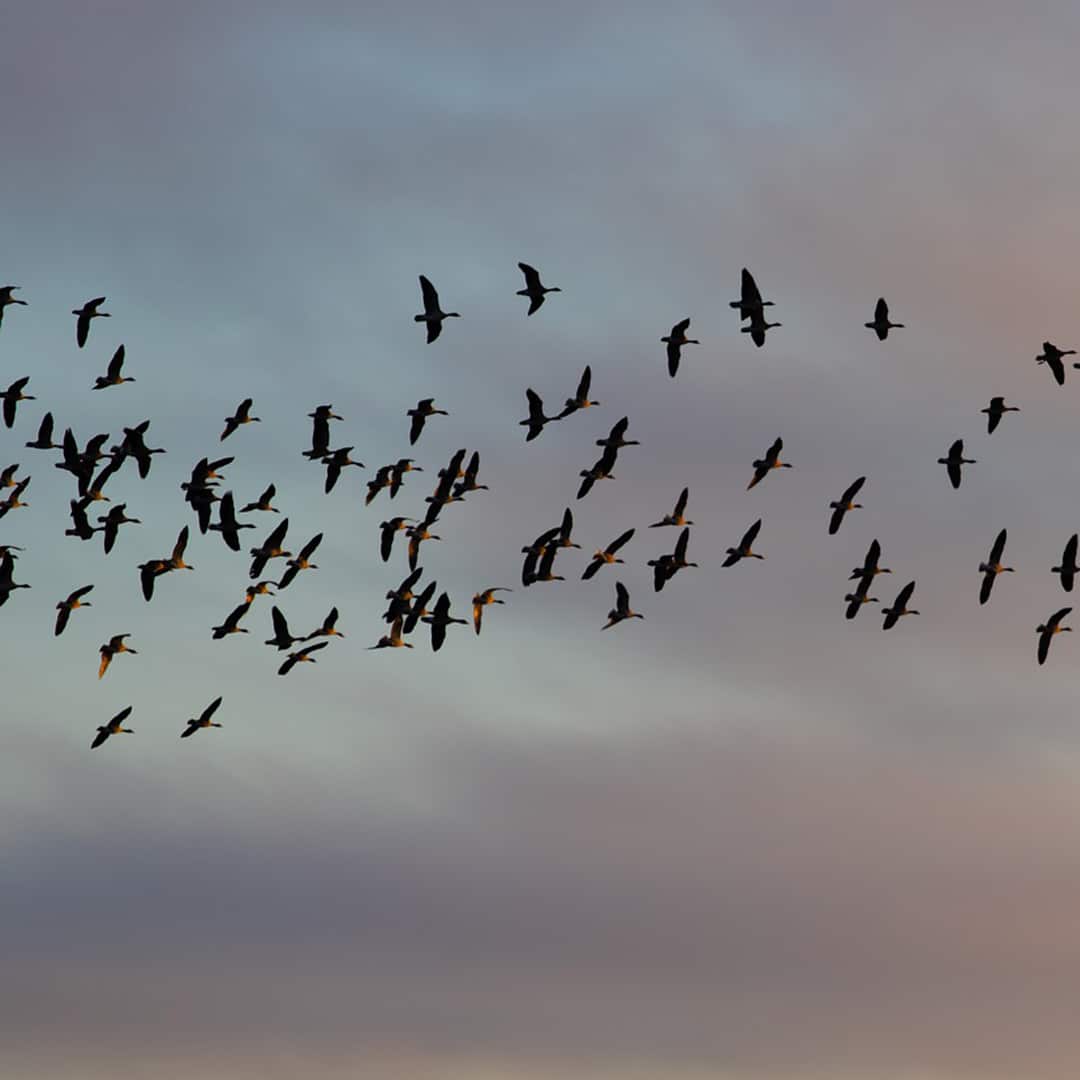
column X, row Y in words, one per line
column 741, row 839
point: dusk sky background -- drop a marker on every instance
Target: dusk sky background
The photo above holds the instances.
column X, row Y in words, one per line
column 743, row 838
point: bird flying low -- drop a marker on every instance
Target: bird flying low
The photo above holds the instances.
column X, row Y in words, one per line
column 433, row 314
column 534, row 290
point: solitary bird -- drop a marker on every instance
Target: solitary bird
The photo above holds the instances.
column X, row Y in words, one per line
column 113, row 727
column 425, row 407
column 439, row 620
column 241, row 416
column 953, row 462
column 606, row 556
column 113, row 647
column 533, row 289
column 844, row 504
column 621, row 611
column 995, row 412
column 12, row 396
column 301, row 562
column 43, row 441
column 231, row 625
column 992, row 567
column 481, row 600
column 744, row 550
column 6, row 298
column 66, row 607
column 677, row 516
column 301, row 656
column 433, row 314
column 1051, row 356
column 88, row 311
column 1068, row 568
column 675, row 340
column 770, row 461
column 749, row 303
column 580, row 400
column 881, row 325
column 1048, row 629
column 112, row 376
column 899, row 607
column 203, row 720
column 536, row 420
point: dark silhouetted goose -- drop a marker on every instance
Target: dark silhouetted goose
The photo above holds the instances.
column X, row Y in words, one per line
column 80, row 522
column 113, row 647
column 749, row 303
column 1068, row 568
column 899, row 607
column 1051, row 356
column 616, row 438
column 415, row 611
column 844, row 504
column 269, row 549
column 992, row 567
column 954, row 460
column 425, row 407
column 545, row 571
column 282, row 638
column 468, row 482
column 881, row 325
column 44, row 435
column 202, row 720
column 263, row 502
column 758, row 327
column 621, row 611
column 7, row 581
column 1048, row 629
column 231, row 625
column 113, row 727
column 241, row 416
column 12, row 396
column 328, row 627
column 393, row 640
column 856, row 599
column 6, row 299
column 995, row 412
column 536, row 419
column 227, row 524
column 301, row 562
column 606, row 556
column 600, row 470
column 387, row 531
column 301, row 656
column 14, row 500
column 770, row 461
column 675, row 340
column 112, row 376
column 870, row 568
column 481, row 600
column 433, row 314
column 534, row 552
column 334, row 463
column 66, row 607
column 677, row 516
column 417, row 534
column 88, row 311
column 439, row 620
column 397, row 473
column 744, row 550
column 580, row 400
column 533, row 289
column 320, row 432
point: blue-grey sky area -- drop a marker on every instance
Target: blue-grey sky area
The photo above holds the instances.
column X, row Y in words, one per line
column 744, row 838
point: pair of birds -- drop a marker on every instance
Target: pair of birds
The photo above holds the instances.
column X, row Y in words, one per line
column 537, row 419
column 116, row 725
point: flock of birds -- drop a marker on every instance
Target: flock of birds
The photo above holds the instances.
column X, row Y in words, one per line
column 408, row 605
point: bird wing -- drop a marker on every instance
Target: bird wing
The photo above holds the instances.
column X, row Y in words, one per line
column 276, row 537
column 953, row 469
column 881, row 311
column 209, row 710
column 309, row 548
column 532, row 277
column 904, row 595
column 618, row 430
column 750, row 535
column 751, row 295
column 987, row 585
column 386, row 541
column 1044, row 643
column 999, row 546
column 99, row 738
column 431, row 297
column 1068, row 558
column 680, row 545
column 567, row 525
column 62, row 617
column 586, row 484
column 1053, row 362
column 116, row 363
column 836, row 518
column 853, row 490
column 281, row 625
column 873, row 553
column 622, row 597
column 416, row 426
column 761, row 470
column 619, row 541
column 79, row 593
column 584, row 383
column 592, row 568
column 181, row 543
column 680, row 503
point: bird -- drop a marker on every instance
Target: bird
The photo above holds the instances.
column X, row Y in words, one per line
column 566, row 527
column 995, row 412
column 425, row 407
column 606, row 556
column 1048, row 629
column 393, row 640
column 135, row 445
column 677, row 516
column 954, row 460
column 66, row 607
column 148, row 572
column 439, row 620
column 112, row 376
column 667, row 566
column 534, row 552
column 545, row 571
column 992, row 567
column 176, row 559
column 227, row 524
column 300, row 562
column 417, row 534
column 328, row 627
column 621, row 611
column 400, row 468
column 269, row 549
column 14, row 500
column 203, row 720
column 387, row 531
column 856, row 599
column 468, row 482
column 415, row 611
column 260, row 588
column 334, row 463
column 6, row 298
column 844, row 504
column 536, row 420
column 262, row 502
column 241, row 416
column 80, row 522
column 113, row 727
column 770, row 461
column 44, row 435
column 231, row 625
column 675, row 340
column 7, row 581
column 881, row 325
column 399, row 598
column 1068, row 568
column 744, row 550
column 1051, row 356
column 88, row 311
column 899, row 607
column 757, row 328
column 320, row 432
column 580, row 400
column 433, row 314
column 662, row 571
column 600, row 470
column 282, row 638
column 383, row 478
column 301, row 656
column 12, row 396
column 533, row 289
column 749, row 302
column 870, row 568
column 481, row 600
column 7, row 476
column 113, row 647
column 615, row 438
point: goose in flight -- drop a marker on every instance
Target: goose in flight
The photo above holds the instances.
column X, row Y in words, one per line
column 203, row 720
column 1048, row 629
column 425, row 407
column 580, row 400
column 399, row 598
column 80, row 522
column 113, row 727
column 328, row 627
column 468, row 481
column 992, row 567
column 881, row 325
column 545, row 571
column 744, row 550
column 954, row 460
column 995, row 412
column 300, row 562
column 621, row 611
column 320, row 432
column 1051, row 356
column 231, row 625
column 66, row 607
column 433, row 314
column 88, row 311
column 7, row 476
column 844, row 504
column 675, row 340
column 534, row 552
column 7, row 581
column 112, row 376
column 616, row 438
column 262, row 502
column 282, row 638
column 899, row 607
column 600, row 470
column 407, row 465
column 417, row 534
column 536, row 420
column 387, row 531
column 113, row 647
column 14, row 500
column 676, row 517
column 44, row 435
column 606, row 556
column 12, row 396
column 382, row 479
column 770, row 461
column 749, row 303
column 1068, row 568
column 870, row 568
column 241, row 416
column 859, row 597
column 439, row 620
column 758, row 327
column 667, row 566
column 301, row 656
column 269, row 549
column 419, row 608
column 227, row 524
column 481, row 600
column 533, row 289
column 6, row 298
column 393, row 640
column 334, row 463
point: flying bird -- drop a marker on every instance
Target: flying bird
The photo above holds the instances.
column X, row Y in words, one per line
column 481, row 600
column 282, row 638
column 269, row 549
column 262, row 502
column 433, row 314
column 844, row 504
column 6, row 298
column 1047, row 630
column 113, row 727
column 12, row 396
column 1068, row 568
column 677, row 516
column 770, row 461
column 113, row 647
column 112, row 376
column 1051, row 356
column 606, row 556
column 992, row 567
column 231, row 625
column 995, row 412
column 387, row 531
column 203, row 720
column 859, row 597
column 301, row 656
column 66, row 607
column 425, row 407
column 44, row 435
column 536, row 420
column 88, row 311
column 300, row 562
column 580, row 400
column 675, row 340
column 227, row 524
column 758, row 327
column 334, row 463
column 621, row 611
column 870, row 568
column 954, row 460
column 328, row 627
column 749, row 303
column 241, row 416
column 7, row 581
column 393, row 640
column 600, row 470
column 744, row 550
column 899, row 607
column 439, row 620
column 533, row 289
column 616, row 438
column 881, row 325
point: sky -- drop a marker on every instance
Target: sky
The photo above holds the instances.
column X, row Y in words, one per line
column 743, row 838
